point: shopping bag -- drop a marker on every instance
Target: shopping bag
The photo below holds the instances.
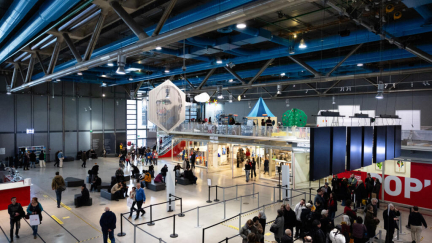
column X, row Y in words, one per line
column 34, row 219
column 129, row 202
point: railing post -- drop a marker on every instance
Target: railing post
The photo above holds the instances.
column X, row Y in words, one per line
column 226, row 240
column 280, row 193
column 253, row 190
column 216, row 200
column 223, row 193
column 198, row 226
column 241, row 199
column 400, row 225
column 239, row 222
column 121, row 226
column 170, row 209
column 224, row 209
column 181, row 208
column 134, row 233
column 310, row 193
column 174, row 235
column 274, row 194
column 380, row 233
column 209, row 201
column 151, row 223
column 258, row 199
column 305, row 196
column 236, row 193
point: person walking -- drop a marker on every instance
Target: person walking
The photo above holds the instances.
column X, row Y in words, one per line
column 32, row 160
column 58, row 185
column 164, row 171
column 253, row 169
column 108, row 224
column 390, row 222
column 278, row 226
column 247, row 169
column 415, row 222
column 132, row 197
column 42, row 159
column 155, row 157
column 35, row 208
column 16, row 212
column 192, row 159
column 84, row 159
column 85, row 196
column 60, row 157
column 140, row 199
column 56, row 159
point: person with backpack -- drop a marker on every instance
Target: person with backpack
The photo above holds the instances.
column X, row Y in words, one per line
column 336, row 236
column 277, row 228
column 16, row 212
column 58, row 185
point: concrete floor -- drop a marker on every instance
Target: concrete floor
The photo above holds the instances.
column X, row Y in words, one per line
column 82, row 224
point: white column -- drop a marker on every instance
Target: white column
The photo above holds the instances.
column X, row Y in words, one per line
column 285, row 181
column 170, row 187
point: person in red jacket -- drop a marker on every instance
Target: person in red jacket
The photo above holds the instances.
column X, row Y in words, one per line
column 332, row 206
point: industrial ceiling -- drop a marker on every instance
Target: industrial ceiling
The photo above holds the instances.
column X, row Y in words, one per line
column 246, row 48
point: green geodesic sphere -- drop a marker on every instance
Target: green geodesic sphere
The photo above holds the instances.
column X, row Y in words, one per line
column 294, row 117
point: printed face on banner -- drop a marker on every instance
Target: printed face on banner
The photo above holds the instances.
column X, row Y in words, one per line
column 166, row 106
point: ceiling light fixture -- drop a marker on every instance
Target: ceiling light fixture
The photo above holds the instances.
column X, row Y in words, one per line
column 8, row 89
column 380, row 91
column 231, row 80
column 279, row 89
column 291, row 50
column 302, row 44
column 241, row 26
column 287, row 102
column 219, row 92
column 239, row 98
column 218, row 60
column 202, row 98
column 110, row 64
column 103, row 75
column 130, row 78
column 333, row 100
column 359, row 64
column 158, row 48
column 121, row 61
column 79, row 73
column 282, row 74
column 249, row 103
column 103, row 84
column 230, row 98
column 167, row 69
column 103, row 95
column 295, row 36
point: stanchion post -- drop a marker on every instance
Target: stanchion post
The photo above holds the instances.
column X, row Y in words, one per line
column 209, row 201
column 226, row 240
column 241, row 199
column 216, row 200
column 236, row 193
column 224, row 209
column 198, row 226
column 121, row 227
column 274, row 194
column 181, row 208
column 239, row 221
column 310, row 193
column 305, row 196
column 174, row 235
column 223, row 193
column 134, row 233
column 151, row 223
column 170, row 209
column 280, row 193
column 379, row 237
column 253, row 190
column 258, row 199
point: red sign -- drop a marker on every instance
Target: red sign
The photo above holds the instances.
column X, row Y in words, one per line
column 414, row 190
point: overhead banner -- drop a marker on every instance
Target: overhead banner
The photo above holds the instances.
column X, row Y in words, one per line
column 166, row 107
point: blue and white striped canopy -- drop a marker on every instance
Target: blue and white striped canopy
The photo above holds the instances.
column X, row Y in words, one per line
column 259, row 109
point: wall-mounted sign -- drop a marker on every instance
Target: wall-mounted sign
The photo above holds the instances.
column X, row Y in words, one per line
column 30, row 130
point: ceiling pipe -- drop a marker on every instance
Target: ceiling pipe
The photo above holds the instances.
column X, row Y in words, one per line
column 412, row 49
column 164, row 17
column 243, row 13
column 327, row 79
column 48, row 12
column 13, row 16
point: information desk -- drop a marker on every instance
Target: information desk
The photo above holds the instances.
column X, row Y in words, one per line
column 20, row 190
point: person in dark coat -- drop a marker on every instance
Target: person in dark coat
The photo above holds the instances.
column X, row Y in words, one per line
column 95, row 183
column 108, row 224
column 360, row 193
column 84, row 159
column 343, row 191
column 16, row 212
column 318, row 236
column 369, row 183
column 164, row 171
column 32, row 160
column 390, row 222
column 335, row 182
column 253, row 169
column 262, row 220
column 377, row 189
column 287, row 237
column 290, row 219
column 85, row 196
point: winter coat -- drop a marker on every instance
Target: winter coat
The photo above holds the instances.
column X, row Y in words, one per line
column 336, row 236
column 158, row 178
column 13, row 209
column 108, row 221
column 57, row 182
column 279, row 222
column 244, row 232
column 369, row 182
column 290, row 219
column 360, row 192
column 116, row 188
column 389, row 221
column 38, row 210
column 370, row 222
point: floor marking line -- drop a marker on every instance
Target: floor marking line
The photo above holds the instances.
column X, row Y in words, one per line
column 96, row 237
column 70, row 210
column 57, row 219
column 66, row 217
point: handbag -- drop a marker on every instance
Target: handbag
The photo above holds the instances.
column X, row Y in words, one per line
column 274, row 228
column 62, row 188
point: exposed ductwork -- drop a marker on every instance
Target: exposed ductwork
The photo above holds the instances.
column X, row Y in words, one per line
column 243, row 13
column 48, row 12
column 423, row 7
column 15, row 13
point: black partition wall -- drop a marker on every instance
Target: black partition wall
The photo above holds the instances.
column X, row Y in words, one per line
column 338, row 150
column 320, row 140
column 367, row 149
column 354, row 147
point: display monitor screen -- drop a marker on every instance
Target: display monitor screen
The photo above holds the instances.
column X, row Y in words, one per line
column 355, row 148
column 379, row 148
column 319, row 153
column 338, row 150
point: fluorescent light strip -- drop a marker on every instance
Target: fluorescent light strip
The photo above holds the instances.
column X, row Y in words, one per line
column 49, row 43
column 20, row 56
column 86, row 19
column 83, row 13
column 27, row 57
column 41, row 42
